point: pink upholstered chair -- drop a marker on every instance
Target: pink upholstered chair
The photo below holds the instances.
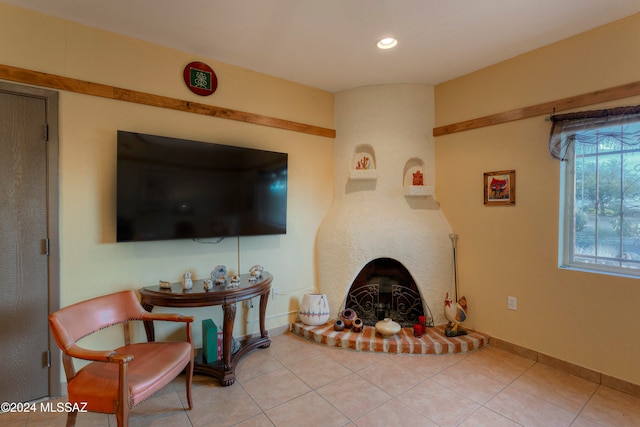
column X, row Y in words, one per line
column 117, row 380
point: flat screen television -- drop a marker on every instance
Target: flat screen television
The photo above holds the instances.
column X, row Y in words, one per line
column 169, row 188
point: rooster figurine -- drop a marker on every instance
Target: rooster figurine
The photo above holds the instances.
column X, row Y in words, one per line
column 455, row 314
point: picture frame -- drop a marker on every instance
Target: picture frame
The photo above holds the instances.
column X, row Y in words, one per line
column 500, row 188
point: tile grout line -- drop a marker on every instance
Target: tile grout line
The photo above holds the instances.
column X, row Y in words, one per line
column 504, row 388
column 593, row 393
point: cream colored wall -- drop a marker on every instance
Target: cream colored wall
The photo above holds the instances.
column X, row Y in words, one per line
column 91, row 262
column 583, row 318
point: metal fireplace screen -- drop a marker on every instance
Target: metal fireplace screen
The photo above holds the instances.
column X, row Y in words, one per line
column 384, row 288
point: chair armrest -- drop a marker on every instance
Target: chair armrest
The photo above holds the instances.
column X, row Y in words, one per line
column 98, row 355
column 169, row 317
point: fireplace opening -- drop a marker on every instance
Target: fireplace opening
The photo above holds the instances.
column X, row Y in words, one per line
column 384, row 288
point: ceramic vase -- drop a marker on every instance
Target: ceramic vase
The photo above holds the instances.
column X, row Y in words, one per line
column 387, row 327
column 357, row 325
column 314, row 309
column 347, row 316
column 338, row 325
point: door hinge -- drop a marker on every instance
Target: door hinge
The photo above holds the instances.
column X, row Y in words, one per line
column 45, row 247
column 47, row 358
column 46, row 132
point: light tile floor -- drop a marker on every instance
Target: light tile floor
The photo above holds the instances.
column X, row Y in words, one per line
column 296, row 382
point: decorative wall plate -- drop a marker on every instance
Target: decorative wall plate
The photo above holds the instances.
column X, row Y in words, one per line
column 200, row 78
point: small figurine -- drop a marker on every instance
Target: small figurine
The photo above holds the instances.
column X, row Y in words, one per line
column 219, row 271
column 165, row 285
column 187, row 283
column 235, row 282
column 418, row 178
column 208, row 284
column 255, row 272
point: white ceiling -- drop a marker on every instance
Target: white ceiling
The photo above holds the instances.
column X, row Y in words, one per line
column 330, row 44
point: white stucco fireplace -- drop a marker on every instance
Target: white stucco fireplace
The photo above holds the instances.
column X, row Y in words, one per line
column 377, row 212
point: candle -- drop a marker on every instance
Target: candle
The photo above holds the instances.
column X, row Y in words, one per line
column 422, row 320
column 417, row 330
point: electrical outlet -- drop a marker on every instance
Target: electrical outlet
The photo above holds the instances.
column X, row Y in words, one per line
column 512, row 303
column 276, row 292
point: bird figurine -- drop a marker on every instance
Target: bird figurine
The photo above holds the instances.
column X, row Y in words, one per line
column 455, row 314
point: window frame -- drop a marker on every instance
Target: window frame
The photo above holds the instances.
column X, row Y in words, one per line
column 568, row 203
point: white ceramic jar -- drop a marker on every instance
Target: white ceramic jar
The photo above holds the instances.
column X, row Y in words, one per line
column 314, row 309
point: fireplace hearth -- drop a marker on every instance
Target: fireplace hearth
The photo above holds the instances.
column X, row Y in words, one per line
column 434, row 341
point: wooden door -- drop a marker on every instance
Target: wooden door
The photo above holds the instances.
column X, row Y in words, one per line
column 24, row 282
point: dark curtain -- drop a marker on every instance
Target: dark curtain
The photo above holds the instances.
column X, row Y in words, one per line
column 609, row 123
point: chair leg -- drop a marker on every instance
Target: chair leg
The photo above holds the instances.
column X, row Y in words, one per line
column 188, row 382
column 122, row 416
column 71, row 418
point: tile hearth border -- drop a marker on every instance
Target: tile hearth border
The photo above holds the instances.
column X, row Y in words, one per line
column 433, row 342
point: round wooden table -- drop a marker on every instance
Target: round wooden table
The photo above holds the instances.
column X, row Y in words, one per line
column 197, row 296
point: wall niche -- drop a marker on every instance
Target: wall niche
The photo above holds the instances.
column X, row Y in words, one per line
column 414, row 179
column 363, row 163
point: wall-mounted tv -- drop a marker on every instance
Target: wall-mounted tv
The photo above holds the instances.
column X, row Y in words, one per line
column 169, row 188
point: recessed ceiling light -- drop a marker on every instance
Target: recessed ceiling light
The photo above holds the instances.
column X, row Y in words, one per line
column 387, row 43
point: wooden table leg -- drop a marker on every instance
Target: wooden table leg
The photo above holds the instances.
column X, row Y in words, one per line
column 229, row 376
column 263, row 324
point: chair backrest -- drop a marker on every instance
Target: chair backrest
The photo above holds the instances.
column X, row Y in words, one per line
column 76, row 321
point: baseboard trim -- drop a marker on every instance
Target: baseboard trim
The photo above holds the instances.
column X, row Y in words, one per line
column 274, row 332
column 570, row 368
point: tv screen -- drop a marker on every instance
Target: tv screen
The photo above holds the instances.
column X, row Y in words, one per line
column 169, row 188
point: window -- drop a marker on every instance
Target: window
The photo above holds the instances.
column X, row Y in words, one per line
column 600, row 197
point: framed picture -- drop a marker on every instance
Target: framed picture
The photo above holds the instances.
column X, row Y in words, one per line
column 500, row 188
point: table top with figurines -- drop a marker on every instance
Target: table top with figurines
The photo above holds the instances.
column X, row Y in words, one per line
column 218, row 290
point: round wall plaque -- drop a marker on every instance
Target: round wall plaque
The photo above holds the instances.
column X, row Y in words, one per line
column 200, row 78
